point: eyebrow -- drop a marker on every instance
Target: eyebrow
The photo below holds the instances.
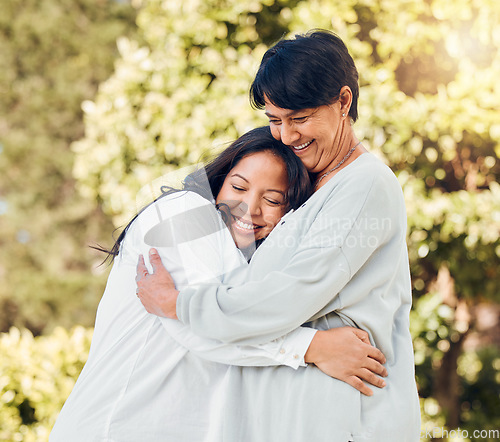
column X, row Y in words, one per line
column 277, row 191
column 288, row 114
column 267, row 190
column 241, row 176
column 292, row 112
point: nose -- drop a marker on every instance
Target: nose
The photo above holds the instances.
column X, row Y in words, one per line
column 288, row 134
column 251, row 205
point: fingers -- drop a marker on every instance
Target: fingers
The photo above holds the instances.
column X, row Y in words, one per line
column 371, row 378
column 155, row 260
column 376, row 354
column 361, row 334
column 367, row 376
column 375, row 367
column 373, row 352
column 359, row 385
column 141, row 265
column 142, row 270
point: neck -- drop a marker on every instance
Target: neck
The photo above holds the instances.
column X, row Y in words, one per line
column 346, row 157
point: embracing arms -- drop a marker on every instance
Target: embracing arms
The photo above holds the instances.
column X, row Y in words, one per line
column 343, row 353
column 313, row 274
column 263, row 310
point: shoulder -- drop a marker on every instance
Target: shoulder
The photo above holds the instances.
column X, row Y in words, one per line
column 370, row 170
column 175, row 206
column 370, row 177
column 382, row 197
column 173, row 214
column 366, row 186
column 179, row 201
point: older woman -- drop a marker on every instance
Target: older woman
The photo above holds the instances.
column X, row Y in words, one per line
column 339, row 259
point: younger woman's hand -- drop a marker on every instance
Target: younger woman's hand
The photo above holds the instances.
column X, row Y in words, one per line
column 157, row 290
column 346, row 354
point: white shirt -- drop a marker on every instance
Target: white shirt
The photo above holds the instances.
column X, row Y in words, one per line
column 149, row 378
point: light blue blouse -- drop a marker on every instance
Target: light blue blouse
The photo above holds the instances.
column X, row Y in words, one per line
column 340, row 259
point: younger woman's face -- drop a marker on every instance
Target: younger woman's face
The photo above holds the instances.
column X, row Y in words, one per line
column 254, row 190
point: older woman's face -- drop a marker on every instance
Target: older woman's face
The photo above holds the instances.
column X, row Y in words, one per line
column 313, row 134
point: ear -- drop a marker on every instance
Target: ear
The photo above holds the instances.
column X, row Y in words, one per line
column 345, row 100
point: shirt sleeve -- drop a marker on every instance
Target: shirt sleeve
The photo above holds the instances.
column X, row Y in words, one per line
column 263, row 310
column 288, row 350
column 196, row 248
column 308, row 284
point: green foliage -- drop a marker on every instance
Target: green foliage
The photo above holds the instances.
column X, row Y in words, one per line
column 54, row 55
column 36, row 377
column 428, row 106
column 459, row 230
column 435, row 329
column 480, row 372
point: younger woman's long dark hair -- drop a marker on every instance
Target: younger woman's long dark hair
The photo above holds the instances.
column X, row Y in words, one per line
column 254, row 141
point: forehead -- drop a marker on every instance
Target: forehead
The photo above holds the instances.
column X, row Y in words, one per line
column 275, row 111
column 263, row 160
column 261, row 167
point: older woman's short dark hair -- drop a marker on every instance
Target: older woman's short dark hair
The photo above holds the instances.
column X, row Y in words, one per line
column 304, row 72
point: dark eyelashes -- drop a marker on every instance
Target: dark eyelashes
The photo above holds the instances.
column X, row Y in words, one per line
column 272, row 202
column 296, row 120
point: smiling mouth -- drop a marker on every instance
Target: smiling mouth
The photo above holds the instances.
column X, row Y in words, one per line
column 245, row 227
column 302, row 146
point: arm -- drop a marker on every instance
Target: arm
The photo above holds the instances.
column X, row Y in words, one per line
column 288, row 350
column 343, row 353
column 288, row 297
column 351, row 240
column 305, row 284
column 192, row 239
column 290, row 294
column 282, row 300
column 228, row 314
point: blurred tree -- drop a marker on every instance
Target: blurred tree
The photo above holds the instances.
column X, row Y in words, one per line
column 38, row 375
column 54, row 55
column 429, row 107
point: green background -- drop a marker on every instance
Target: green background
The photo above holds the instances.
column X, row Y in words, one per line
column 98, row 98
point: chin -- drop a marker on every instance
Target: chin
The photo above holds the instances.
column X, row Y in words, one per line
column 244, row 244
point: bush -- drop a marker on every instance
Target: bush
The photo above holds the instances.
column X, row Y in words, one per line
column 36, row 377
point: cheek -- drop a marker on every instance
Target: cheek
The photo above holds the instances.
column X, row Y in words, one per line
column 224, row 194
column 272, row 217
column 220, row 197
column 275, row 132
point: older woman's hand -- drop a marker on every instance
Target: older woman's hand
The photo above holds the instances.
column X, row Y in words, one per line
column 157, row 290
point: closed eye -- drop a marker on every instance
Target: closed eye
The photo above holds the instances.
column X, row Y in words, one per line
column 299, row 119
column 240, row 189
column 273, row 202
